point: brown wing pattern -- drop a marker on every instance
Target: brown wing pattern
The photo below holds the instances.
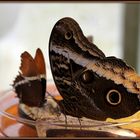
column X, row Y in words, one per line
column 40, row 62
column 91, row 84
column 28, row 87
column 28, row 66
column 118, row 71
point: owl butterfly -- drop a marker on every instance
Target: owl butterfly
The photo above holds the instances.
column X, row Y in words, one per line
column 30, row 84
column 91, row 84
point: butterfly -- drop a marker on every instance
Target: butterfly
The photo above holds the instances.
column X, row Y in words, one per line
column 92, row 85
column 30, row 84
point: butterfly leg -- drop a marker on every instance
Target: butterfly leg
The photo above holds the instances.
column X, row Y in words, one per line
column 66, row 122
column 80, row 123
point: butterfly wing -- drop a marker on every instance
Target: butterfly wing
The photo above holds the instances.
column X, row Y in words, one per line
column 29, row 88
column 91, row 84
column 28, row 66
column 40, row 62
column 65, row 48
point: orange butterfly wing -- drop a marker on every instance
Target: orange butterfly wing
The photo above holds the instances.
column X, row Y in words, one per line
column 40, row 62
column 28, row 66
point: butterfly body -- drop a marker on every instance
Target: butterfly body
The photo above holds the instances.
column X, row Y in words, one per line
column 91, row 84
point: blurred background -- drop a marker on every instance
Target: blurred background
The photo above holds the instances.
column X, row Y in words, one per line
column 27, row 26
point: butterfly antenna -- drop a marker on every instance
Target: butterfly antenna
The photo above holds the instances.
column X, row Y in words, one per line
column 49, row 94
